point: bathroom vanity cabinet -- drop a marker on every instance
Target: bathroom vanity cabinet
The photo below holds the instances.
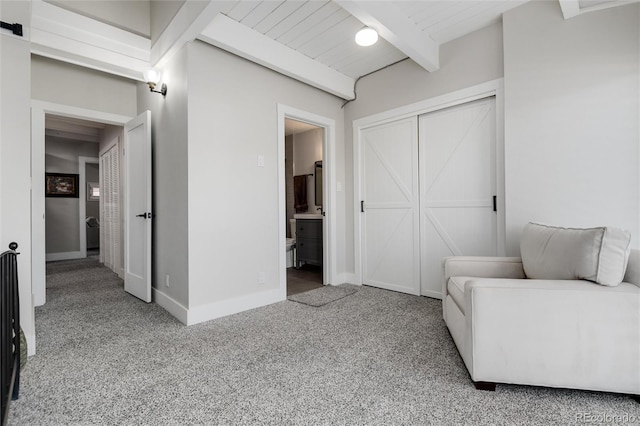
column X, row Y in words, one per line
column 309, row 242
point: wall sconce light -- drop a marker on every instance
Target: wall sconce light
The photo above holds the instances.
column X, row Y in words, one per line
column 366, row 37
column 152, row 77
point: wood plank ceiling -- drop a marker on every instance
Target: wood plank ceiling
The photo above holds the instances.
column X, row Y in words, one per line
column 323, row 31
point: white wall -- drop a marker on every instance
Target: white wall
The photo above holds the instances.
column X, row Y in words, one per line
column 169, row 146
column 108, row 134
column 61, row 213
column 230, row 240
column 464, row 62
column 571, row 118
column 307, row 149
column 68, row 84
column 15, row 152
column 133, row 16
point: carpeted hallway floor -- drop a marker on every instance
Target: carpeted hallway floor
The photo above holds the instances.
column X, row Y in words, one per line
column 374, row 357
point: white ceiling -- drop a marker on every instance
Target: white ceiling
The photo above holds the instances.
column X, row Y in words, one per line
column 445, row 20
column 311, row 41
column 320, row 30
column 293, row 127
column 324, row 31
column 590, row 3
column 72, row 128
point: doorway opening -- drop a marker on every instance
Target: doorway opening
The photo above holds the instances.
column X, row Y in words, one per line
column 71, row 157
column 304, row 205
column 82, row 209
column 69, row 125
column 325, row 221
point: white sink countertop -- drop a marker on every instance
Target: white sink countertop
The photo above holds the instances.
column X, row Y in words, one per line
column 307, row 216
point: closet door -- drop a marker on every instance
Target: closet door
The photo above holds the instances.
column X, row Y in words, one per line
column 105, row 209
column 457, row 186
column 116, row 247
column 390, row 219
column 110, row 209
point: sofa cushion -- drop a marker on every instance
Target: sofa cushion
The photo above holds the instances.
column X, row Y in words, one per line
column 455, row 288
column 595, row 254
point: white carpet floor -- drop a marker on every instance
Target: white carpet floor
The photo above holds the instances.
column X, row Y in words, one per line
column 372, row 358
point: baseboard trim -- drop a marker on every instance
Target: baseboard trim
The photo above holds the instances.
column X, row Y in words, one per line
column 227, row 307
column 52, row 257
column 31, row 344
column 171, row 305
column 432, row 294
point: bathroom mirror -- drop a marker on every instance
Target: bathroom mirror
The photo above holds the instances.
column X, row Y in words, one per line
column 318, row 183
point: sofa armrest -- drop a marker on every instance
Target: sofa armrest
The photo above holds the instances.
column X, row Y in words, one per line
column 556, row 333
column 481, row 267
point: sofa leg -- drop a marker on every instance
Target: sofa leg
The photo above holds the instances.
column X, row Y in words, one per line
column 485, row 386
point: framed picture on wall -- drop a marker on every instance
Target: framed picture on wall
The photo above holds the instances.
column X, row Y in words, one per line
column 61, row 185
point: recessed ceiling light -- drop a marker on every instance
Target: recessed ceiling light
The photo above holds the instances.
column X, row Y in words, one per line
column 366, row 37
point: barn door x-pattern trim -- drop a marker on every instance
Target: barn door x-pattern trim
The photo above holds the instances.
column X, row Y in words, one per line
column 478, row 201
column 390, row 194
column 428, row 207
column 394, row 175
column 479, row 119
column 397, row 180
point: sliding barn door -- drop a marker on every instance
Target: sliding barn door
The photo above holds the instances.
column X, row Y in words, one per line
column 390, row 219
column 457, row 186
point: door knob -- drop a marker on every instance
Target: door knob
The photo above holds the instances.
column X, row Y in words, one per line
column 144, row 215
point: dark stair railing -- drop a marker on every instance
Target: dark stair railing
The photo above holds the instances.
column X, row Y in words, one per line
column 10, row 329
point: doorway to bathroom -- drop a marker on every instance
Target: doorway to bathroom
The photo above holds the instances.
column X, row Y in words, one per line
column 304, row 205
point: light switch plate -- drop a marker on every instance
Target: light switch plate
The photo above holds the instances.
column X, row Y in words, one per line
column 260, row 160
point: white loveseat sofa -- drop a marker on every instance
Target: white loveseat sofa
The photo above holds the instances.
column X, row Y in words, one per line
column 567, row 332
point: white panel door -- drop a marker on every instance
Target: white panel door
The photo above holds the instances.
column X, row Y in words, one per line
column 457, row 186
column 390, row 218
column 137, row 247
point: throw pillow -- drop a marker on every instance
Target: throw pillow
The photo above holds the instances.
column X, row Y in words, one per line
column 595, row 254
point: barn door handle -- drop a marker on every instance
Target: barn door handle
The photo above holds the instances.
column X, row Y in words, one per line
column 495, row 204
column 362, row 206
